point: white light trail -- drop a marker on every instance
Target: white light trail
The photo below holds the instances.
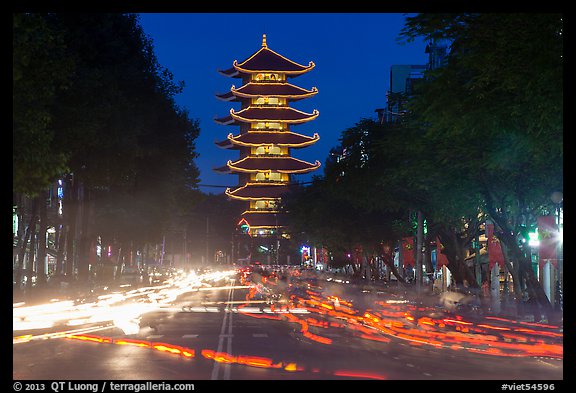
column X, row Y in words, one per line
column 123, row 309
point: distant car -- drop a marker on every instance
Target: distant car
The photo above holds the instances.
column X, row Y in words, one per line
column 131, row 275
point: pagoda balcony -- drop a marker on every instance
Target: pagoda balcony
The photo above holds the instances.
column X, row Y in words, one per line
column 264, row 210
column 270, row 155
column 268, row 181
column 276, row 105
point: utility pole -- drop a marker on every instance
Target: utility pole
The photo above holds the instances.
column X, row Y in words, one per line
column 478, row 268
column 557, row 197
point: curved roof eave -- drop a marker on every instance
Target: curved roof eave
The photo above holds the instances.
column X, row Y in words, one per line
column 305, row 117
column 309, row 167
column 296, row 93
column 235, row 140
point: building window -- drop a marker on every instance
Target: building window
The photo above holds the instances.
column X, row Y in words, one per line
column 267, row 150
column 268, row 176
column 268, row 101
column 267, row 126
column 265, row 205
column 268, row 77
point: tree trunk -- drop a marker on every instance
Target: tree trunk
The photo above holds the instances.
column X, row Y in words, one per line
column 514, row 271
column 43, row 226
column 32, row 253
column 526, row 273
column 390, row 263
column 71, row 207
column 22, row 233
column 388, row 258
column 22, row 250
column 84, row 242
column 366, row 268
column 60, row 246
column 455, row 251
column 419, row 245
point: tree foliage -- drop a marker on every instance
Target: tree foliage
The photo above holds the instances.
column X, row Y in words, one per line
column 40, row 70
column 119, row 123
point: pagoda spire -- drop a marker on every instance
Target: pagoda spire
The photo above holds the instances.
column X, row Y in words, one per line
column 264, row 45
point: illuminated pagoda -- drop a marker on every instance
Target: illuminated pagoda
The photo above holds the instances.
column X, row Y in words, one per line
column 265, row 139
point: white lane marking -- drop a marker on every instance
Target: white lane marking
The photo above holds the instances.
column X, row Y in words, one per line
column 230, row 335
column 190, row 336
column 260, row 335
column 227, row 320
column 550, row 365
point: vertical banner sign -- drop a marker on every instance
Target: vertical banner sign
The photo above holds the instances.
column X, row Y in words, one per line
column 408, row 251
column 546, row 232
column 441, row 259
column 495, row 254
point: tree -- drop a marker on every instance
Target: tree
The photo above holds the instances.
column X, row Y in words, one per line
column 126, row 147
column 499, row 101
column 40, row 69
column 350, row 208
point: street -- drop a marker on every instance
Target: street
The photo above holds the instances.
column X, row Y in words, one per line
column 250, row 326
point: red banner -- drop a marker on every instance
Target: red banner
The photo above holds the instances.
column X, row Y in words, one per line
column 495, row 254
column 547, row 231
column 441, row 259
column 408, row 251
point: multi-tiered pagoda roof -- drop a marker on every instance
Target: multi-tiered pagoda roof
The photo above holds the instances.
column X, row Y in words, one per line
column 265, row 140
column 266, row 60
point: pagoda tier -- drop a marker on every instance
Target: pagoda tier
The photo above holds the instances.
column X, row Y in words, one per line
column 258, row 191
column 267, row 114
column 267, row 89
column 267, row 138
column 266, row 60
column 257, row 220
column 281, row 164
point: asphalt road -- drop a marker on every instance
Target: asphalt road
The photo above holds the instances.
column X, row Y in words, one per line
column 226, row 330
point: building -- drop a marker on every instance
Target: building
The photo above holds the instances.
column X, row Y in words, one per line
column 265, row 141
column 404, row 76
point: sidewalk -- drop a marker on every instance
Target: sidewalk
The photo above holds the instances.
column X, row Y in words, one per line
column 471, row 306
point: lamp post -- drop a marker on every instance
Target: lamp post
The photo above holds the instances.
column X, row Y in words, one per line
column 557, row 197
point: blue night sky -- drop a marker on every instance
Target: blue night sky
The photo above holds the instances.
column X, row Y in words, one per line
column 353, row 53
